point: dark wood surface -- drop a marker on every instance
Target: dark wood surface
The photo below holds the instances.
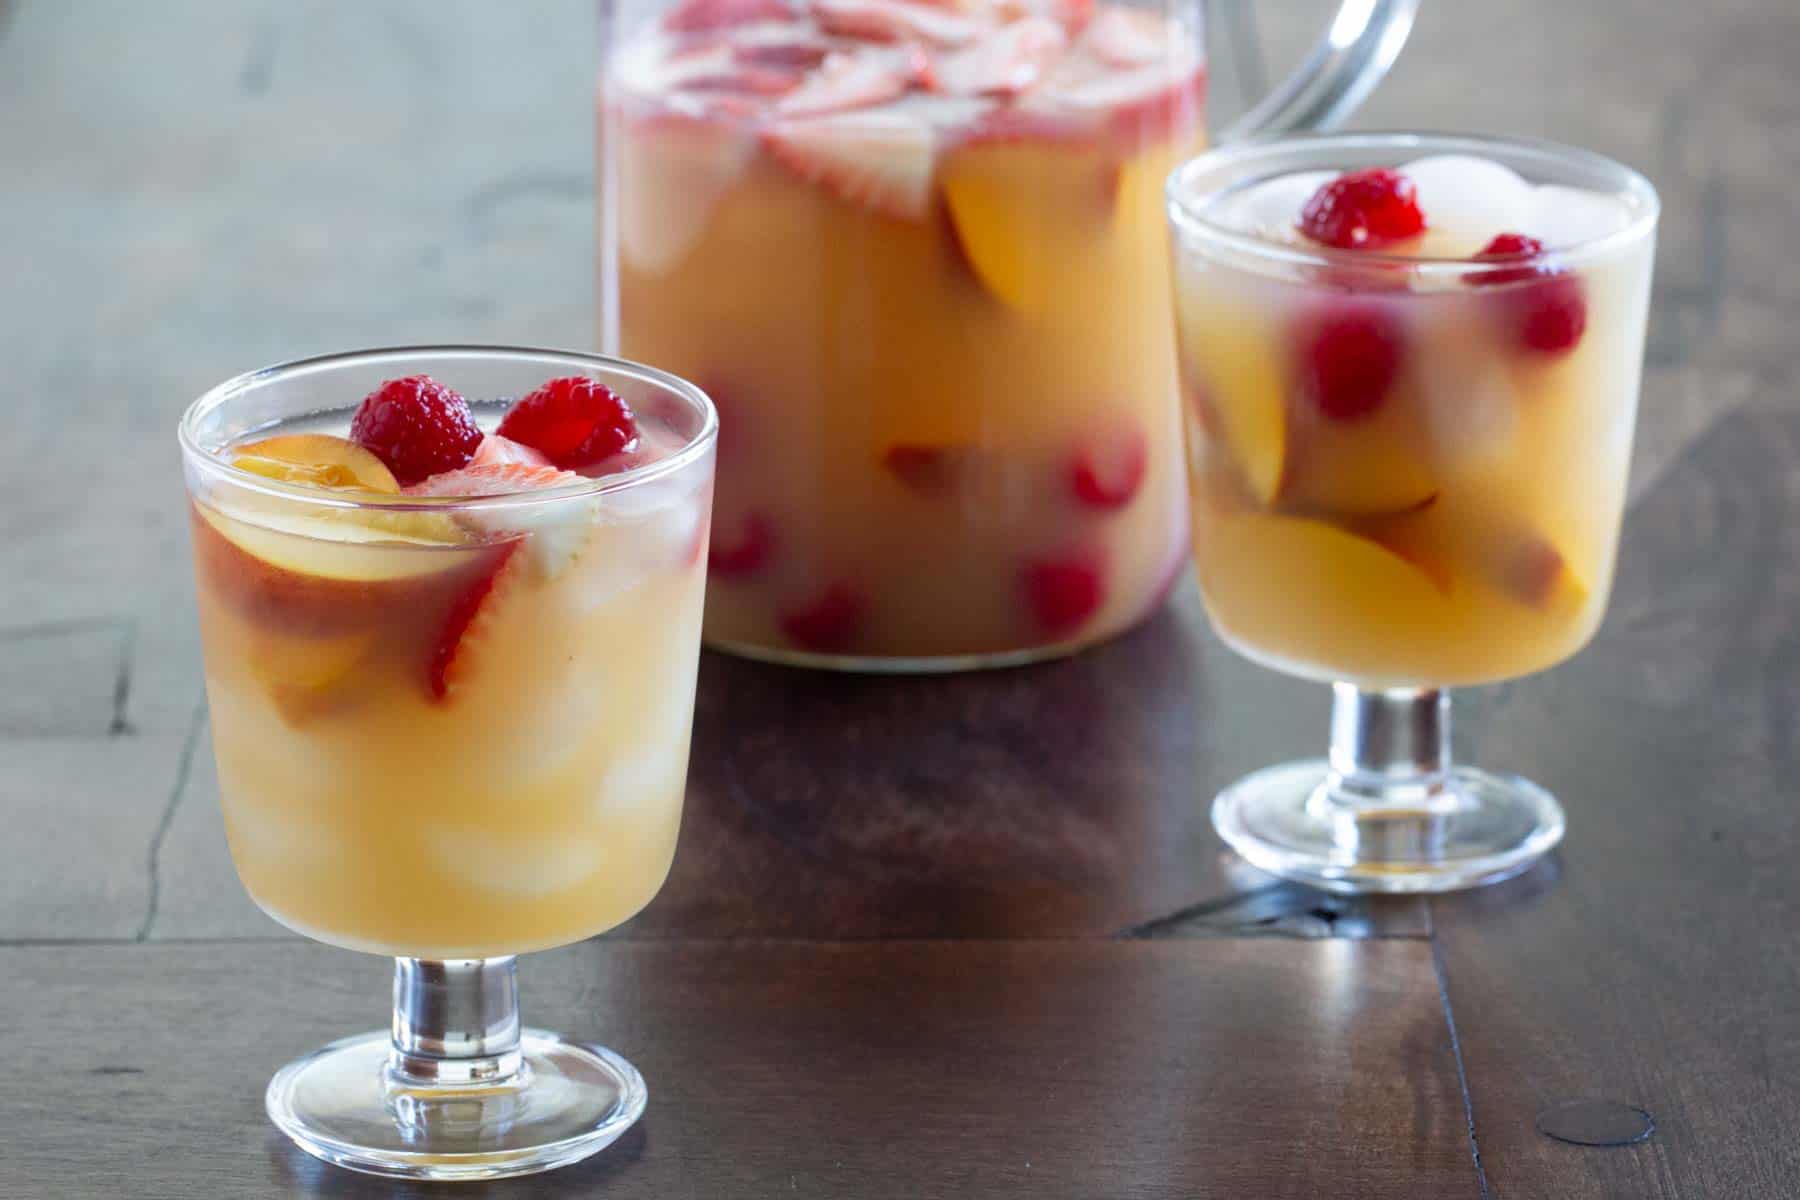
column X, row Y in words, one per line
column 966, row 936
column 883, row 1068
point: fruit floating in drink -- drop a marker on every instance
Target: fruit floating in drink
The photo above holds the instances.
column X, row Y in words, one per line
column 916, row 254
column 1410, row 371
column 450, row 659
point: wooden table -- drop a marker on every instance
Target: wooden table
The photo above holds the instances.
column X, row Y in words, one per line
column 935, row 937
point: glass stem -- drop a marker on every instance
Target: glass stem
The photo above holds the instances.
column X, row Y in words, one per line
column 1390, row 787
column 456, row 1023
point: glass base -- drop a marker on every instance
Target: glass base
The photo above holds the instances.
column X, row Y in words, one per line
column 1481, row 829
column 341, row 1104
column 924, row 665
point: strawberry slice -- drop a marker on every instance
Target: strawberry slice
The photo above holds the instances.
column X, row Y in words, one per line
column 1127, row 37
column 495, row 450
column 743, row 80
column 1139, row 105
column 555, row 533
column 793, row 55
column 1003, row 63
column 894, row 21
column 881, row 160
column 705, row 16
column 459, row 624
column 848, row 81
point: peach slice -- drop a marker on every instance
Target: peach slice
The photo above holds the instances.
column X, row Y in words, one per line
column 1374, row 466
column 1236, row 363
column 1009, row 198
column 318, row 459
column 317, row 574
column 307, row 676
column 1309, row 591
column 1414, row 534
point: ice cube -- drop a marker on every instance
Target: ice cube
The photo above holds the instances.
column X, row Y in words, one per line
column 1467, row 200
column 1564, row 216
column 1271, row 209
column 518, row 866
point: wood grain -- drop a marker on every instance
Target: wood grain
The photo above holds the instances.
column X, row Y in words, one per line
column 1653, row 966
column 1180, row 1069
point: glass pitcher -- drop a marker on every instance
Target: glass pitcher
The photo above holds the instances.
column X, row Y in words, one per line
column 914, row 251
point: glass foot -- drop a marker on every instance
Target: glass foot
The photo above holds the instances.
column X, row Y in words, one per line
column 1475, row 828
column 343, row 1105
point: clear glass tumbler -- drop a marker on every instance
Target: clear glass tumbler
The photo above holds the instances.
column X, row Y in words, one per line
column 450, row 731
column 915, row 250
column 1407, row 472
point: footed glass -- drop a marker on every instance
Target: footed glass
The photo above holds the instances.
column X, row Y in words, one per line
column 916, row 252
column 450, row 731
column 1407, row 470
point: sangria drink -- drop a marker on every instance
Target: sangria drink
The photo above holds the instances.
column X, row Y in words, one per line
column 450, row 660
column 1410, row 372
column 916, row 254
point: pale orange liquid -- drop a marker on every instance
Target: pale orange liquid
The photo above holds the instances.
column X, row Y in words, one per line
column 1463, row 534
column 1022, row 324
column 534, row 804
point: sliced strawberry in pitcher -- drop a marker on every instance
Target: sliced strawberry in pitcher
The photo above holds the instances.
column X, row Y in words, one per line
column 1004, row 62
column 745, row 81
column 828, row 623
column 793, row 55
column 705, row 16
column 881, row 160
column 894, row 21
column 850, row 81
column 1062, row 594
column 1127, row 37
column 1107, row 473
column 737, row 553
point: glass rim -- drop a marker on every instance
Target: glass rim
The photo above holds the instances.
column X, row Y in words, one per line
column 1186, row 196
column 222, row 393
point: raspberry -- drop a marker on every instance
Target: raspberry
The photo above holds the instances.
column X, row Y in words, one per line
column 1063, row 593
column 928, row 470
column 1363, row 210
column 753, row 548
column 828, row 624
column 574, row 422
column 1548, row 312
column 417, row 426
column 1551, row 315
column 1349, row 356
column 1504, row 248
column 1108, row 474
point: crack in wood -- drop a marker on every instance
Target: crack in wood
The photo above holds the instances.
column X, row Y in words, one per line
column 1462, row 1074
column 125, row 630
column 183, row 769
